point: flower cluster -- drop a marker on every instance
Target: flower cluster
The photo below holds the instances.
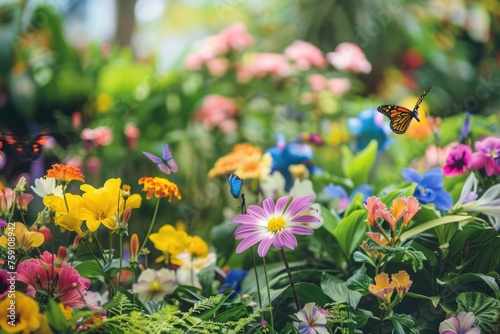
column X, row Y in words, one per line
column 383, row 288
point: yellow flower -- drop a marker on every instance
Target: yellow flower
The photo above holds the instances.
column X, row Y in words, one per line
column 66, row 220
column 104, row 102
column 65, row 173
column 99, row 208
column 22, row 311
column 66, row 310
column 24, row 239
column 169, row 241
column 382, row 289
column 196, row 246
column 402, row 281
column 160, row 187
column 245, row 160
column 112, row 194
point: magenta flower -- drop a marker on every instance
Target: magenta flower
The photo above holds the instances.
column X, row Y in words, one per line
column 62, row 281
column 458, row 160
column 459, row 324
column 276, row 224
column 5, row 280
column 488, row 150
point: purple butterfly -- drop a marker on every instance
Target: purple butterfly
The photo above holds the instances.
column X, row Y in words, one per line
column 167, row 163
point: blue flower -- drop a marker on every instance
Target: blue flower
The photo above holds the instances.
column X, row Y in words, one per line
column 430, row 187
column 369, row 125
column 233, row 282
column 338, row 192
column 284, row 155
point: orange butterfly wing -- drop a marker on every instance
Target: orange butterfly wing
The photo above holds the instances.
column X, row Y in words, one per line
column 400, row 117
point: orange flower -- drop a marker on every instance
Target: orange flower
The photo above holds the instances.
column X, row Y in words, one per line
column 402, row 282
column 134, row 248
column 382, row 289
column 160, row 187
column 398, row 210
column 412, row 207
column 65, row 173
column 245, row 160
column 419, row 130
column 378, row 238
column 374, row 206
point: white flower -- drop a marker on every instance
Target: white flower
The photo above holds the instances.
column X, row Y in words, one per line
column 21, row 184
column 273, row 185
column 154, row 285
column 488, row 204
column 305, row 188
column 312, row 320
column 44, row 187
column 187, row 274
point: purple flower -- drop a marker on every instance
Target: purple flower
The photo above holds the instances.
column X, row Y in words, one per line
column 3, row 223
column 488, row 151
column 370, row 125
column 312, row 320
column 275, row 224
column 430, row 187
column 4, row 282
column 458, row 159
column 338, row 192
column 464, row 132
column 459, row 324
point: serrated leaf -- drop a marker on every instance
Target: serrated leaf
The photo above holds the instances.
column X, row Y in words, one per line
column 408, row 254
column 402, row 323
column 486, row 309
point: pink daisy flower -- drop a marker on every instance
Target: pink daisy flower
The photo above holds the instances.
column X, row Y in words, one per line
column 458, row 161
column 276, row 224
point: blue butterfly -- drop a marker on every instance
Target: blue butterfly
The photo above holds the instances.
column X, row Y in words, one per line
column 235, row 183
column 166, row 163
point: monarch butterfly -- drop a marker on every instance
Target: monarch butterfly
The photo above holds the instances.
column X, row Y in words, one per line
column 166, row 163
column 235, row 183
column 400, row 116
column 26, row 151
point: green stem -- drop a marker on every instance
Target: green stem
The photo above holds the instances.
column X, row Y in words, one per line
column 121, row 258
column 256, row 278
column 268, row 292
column 110, row 282
column 294, row 290
column 380, row 326
column 150, row 225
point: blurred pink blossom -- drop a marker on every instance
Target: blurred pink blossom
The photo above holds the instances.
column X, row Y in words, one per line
column 132, row 134
column 305, row 55
column 337, row 86
column 6, row 199
column 100, row 136
column 349, row 57
column 262, row 64
column 434, row 157
column 94, row 166
column 218, row 111
column 235, row 37
column 76, row 119
column 217, row 66
column 73, row 161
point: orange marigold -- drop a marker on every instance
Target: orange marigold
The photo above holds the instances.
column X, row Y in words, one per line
column 160, row 187
column 65, row 173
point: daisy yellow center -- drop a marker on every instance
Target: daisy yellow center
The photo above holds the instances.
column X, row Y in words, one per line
column 155, row 286
column 494, row 154
column 275, row 224
column 100, row 214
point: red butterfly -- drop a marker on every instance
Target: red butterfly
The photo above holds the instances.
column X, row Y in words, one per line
column 400, row 116
column 26, row 151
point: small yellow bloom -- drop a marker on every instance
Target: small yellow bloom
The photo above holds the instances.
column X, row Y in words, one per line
column 383, row 289
column 402, row 281
column 24, row 239
column 65, row 173
column 66, row 310
column 104, row 102
column 299, row 171
column 99, row 208
column 170, row 241
column 25, row 316
column 197, row 247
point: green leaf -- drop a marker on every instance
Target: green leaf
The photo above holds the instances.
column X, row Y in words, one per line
column 397, row 193
column 408, row 254
column 330, row 219
column 363, row 258
column 358, row 168
column 309, row 292
column 434, row 299
column 337, row 289
column 351, row 231
column 222, row 237
column 90, row 269
column 359, row 281
column 56, row 317
column 412, row 232
column 206, row 277
column 211, row 312
column 486, row 309
column 402, row 323
column 470, row 277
